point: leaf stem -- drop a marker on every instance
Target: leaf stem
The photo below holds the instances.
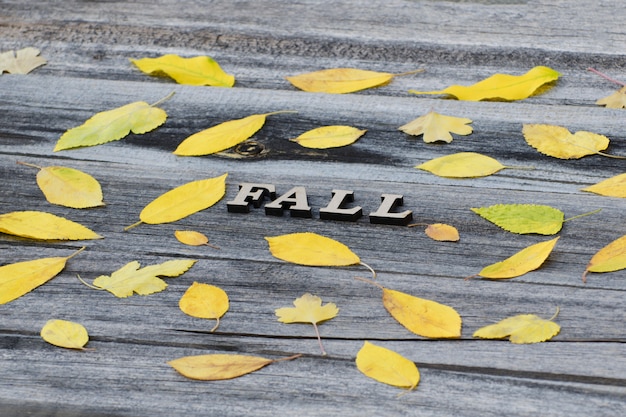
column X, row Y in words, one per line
column 216, row 326
column 603, row 75
column 555, row 314
column 417, row 224
column 583, row 215
column 519, row 167
column 319, row 338
column 409, row 72
column 75, row 253
column 370, row 268
column 288, row 358
column 28, row 165
column 369, row 281
column 89, row 285
column 164, row 99
column 280, row 112
column 610, row 156
column 127, row 228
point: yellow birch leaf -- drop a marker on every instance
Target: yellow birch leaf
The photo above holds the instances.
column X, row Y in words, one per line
column 521, row 329
column 442, row 232
column 199, row 70
column 65, row 334
column 193, row 238
column 205, row 302
column 524, row 261
column 183, row 201
column 523, row 218
column 22, row 61
column 386, row 366
column 219, row 366
column 329, row 137
column 342, row 80
column 222, row 136
column 610, row 258
column 44, row 226
column 462, row 165
column 435, row 126
column 558, row 142
column 611, row 187
column 129, row 278
column 22, row 277
column 423, row 317
column 308, row 309
column 138, row 117
column 311, row 249
column 501, row 86
column 617, row 100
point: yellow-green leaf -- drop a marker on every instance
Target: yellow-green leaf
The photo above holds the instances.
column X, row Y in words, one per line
column 501, row 86
column 22, row 61
column 617, row 100
column 611, row 187
column 222, row 136
column 199, row 70
column 386, row 366
column 129, row 278
column 558, row 142
column 204, row 301
column 65, row 334
column 183, row 201
column 610, row 258
column 329, row 137
column 523, row 218
column 22, row 277
column 342, row 80
column 524, row 328
column 44, row 226
column 138, row 117
column 462, row 165
column 311, row 249
column 524, row 261
column 435, row 127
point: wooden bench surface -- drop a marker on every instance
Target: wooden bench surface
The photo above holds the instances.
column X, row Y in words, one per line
column 581, row 371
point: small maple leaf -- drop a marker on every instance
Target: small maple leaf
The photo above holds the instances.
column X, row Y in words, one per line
column 435, row 126
column 22, row 61
column 617, row 100
column 522, row 329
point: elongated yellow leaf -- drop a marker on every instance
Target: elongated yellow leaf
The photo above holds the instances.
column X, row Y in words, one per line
column 442, row 232
column 342, row 80
column 44, row 226
column 199, row 70
column 524, row 328
column 462, row 165
column 69, row 187
column 386, row 366
column 558, row 142
column 501, row 86
column 22, row 61
column 65, row 334
column 222, row 136
column 423, row 317
column 617, row 100
column 610, row 258
column 219, row 366
column 130, row 279
column 329, row 137
column 183, row 201
column 523, row 218
column 311, row 249
column 204, row 301
column 22, row 277
column 435, row 127
column 138, row 117
column 524, row 261
column 611, row 187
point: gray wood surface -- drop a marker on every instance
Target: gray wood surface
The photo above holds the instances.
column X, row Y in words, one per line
column 579, row 372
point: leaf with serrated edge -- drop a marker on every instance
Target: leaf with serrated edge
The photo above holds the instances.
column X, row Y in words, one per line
column 521, row 329
column 611, row 187
column 558, row 142
column 523, row 218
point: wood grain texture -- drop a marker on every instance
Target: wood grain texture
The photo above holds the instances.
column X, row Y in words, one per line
column 579, row 372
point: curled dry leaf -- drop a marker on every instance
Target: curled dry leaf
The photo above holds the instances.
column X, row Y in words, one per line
column 437, row 127
column 44, row 226
column 204, row 301
column 501, row 86
column 610, row 258
column 524, row 328
column 386, row 366
column 558, row 142
column 21, row 62
column 611, row 187
column 524, row 261
column 329, row 137
column 65, row 334
column 199, row 70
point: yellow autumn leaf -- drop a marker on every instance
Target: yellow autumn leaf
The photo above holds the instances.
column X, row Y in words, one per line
column 131, row 279
column 435, row 126
column 611, row 187
column 65, row 334
column 386, row 366
column 138, row 117
column 501, row 86
column 462, row 165
column 204, row 301
column 22, row 277
column 199, row 70
column 558, row 142
column 22, row 61
column 442, row 232
column 219, row 366
column 223, row 136
column 521, row 329
column 342, row 80
column 524, row 261
column 329, row 137
column 193, row 238
column 183, row 201
column 308, row 309
column 44, row 226
column 610, row 258
column 617, row 100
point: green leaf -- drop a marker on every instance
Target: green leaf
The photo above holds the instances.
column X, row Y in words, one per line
column 523, row 218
